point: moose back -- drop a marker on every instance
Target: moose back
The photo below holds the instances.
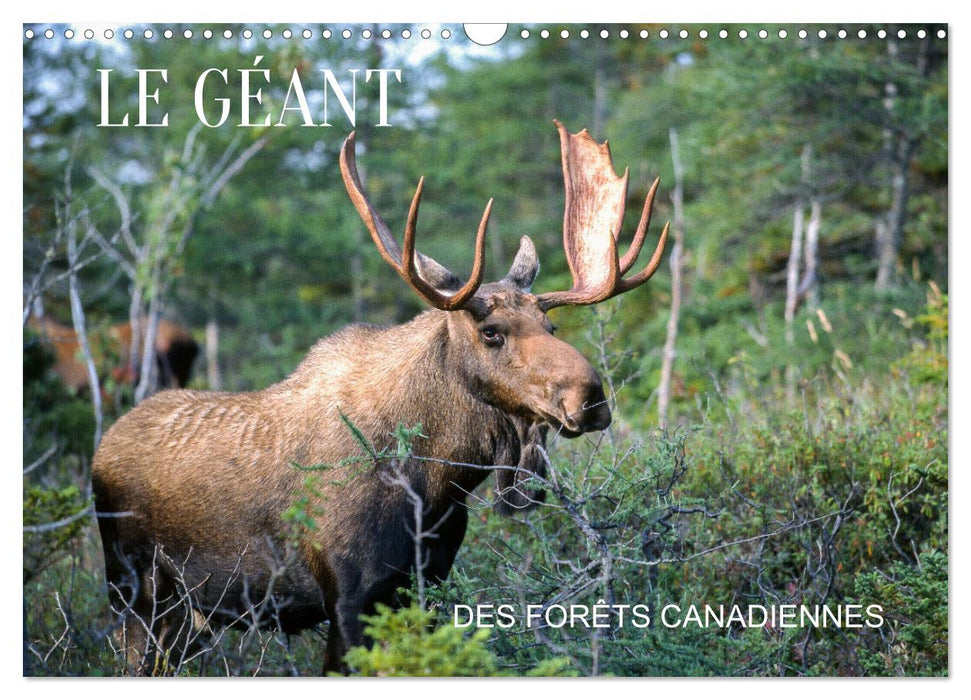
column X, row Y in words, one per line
column 190, row 485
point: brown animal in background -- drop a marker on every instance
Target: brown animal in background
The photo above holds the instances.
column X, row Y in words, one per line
column 190, row 486
column 175, row 351
column 63, row 341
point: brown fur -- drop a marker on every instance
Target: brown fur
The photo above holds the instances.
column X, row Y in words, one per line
column 206, row 476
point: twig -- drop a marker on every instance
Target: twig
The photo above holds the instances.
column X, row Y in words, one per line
column 40, row 460
column 47, row 527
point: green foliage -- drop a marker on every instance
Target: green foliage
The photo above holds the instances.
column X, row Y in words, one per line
column 894, row 479
column 408, row 643
column 360, row 438
column 54, row 416
column 914, row 599
column 66, row 625
column 405, row 438
column 53, row 518
column 789, row 510
column 300, row 514
column 59, row 429
column 927, row 361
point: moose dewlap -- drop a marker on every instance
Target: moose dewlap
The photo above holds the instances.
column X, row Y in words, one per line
column 191, row 486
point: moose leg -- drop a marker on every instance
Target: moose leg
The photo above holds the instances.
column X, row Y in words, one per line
column 129, row 601
column 334, row 654
column 344, row 603
column 133, row 637
column 156, row 619
column 130, row 593
column 346, row 631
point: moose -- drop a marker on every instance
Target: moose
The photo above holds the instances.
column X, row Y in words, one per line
column 190, row 485
column 175, row 351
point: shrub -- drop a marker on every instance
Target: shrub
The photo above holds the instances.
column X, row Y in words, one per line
column 915, row 601
column 407, row 643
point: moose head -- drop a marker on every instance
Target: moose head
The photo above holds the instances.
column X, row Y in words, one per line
column 502, row 337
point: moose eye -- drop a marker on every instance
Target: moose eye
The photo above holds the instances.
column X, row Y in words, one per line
column 492, row 337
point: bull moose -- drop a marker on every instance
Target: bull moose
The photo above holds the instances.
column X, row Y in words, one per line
column 190, row 485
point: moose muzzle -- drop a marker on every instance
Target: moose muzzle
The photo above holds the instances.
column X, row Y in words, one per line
column 585, row 408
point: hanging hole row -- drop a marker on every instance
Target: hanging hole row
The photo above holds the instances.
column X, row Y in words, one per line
column 724, row 33
column 525, row 33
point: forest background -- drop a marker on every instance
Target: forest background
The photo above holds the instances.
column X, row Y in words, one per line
column 781, row 386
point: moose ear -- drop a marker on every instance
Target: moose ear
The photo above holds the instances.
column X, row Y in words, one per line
column 525, row 266
column 436, row 275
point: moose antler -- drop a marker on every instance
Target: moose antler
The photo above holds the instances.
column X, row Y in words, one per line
column 595, row 203
column 403, row 259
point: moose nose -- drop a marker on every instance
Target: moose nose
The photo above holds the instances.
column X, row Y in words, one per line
column 596, row 412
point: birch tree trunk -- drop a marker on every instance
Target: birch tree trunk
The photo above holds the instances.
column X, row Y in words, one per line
column 213, row 376
column 795, row 248
column 77, row 309
column 809, row 286
column 792, row 271
column 794, row 265
column 675, row 261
